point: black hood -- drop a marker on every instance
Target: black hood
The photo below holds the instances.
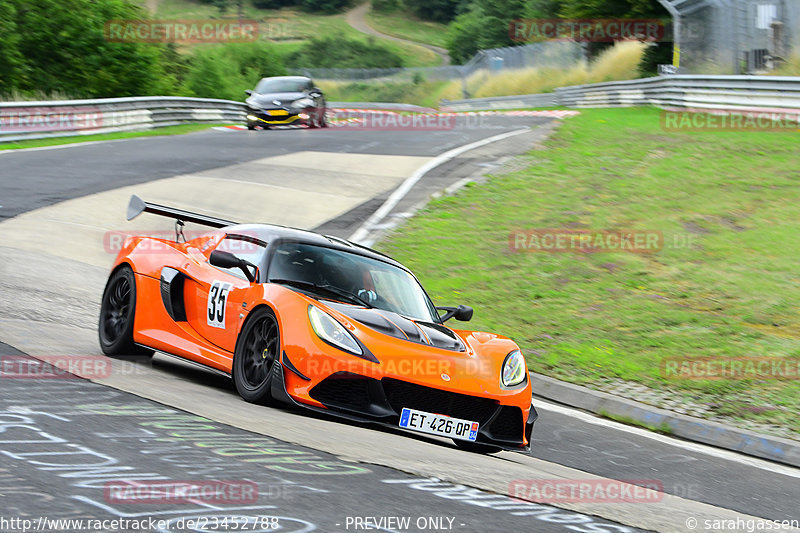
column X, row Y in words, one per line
column 268, row 100
column 398, row 326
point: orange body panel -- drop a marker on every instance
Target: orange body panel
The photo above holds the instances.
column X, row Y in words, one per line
column 474, row 372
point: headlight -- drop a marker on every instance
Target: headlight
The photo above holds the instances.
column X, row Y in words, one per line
column 514, row 371
column 331, row 331
column 303, row 102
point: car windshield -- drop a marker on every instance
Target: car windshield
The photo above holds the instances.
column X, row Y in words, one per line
column 352, row 278
column 281, row 85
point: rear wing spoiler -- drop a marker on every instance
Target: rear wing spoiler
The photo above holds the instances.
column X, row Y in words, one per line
column 137, row 206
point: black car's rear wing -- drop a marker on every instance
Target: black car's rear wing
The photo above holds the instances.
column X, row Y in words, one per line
column 137, row 206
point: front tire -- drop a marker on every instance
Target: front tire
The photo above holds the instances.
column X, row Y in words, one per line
column 117, row 313
column 257, row 350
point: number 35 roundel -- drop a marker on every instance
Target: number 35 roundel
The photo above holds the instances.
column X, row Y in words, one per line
column 217, row 298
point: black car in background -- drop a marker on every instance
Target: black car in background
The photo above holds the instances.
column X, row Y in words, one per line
column 286, row 100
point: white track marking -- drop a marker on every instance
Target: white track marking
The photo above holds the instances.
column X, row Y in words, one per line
column 671, row 441
column 362, row 232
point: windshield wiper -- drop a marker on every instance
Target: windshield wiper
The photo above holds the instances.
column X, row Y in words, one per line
column 327, row 287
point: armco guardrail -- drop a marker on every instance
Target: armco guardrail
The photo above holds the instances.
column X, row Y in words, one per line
column 691, row 91
column 767, row 93
column 37, row 120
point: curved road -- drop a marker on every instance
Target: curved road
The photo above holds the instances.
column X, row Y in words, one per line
column 138, row 422
column 356, row 18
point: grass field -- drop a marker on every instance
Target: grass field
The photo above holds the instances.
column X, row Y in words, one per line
column 725, row 284
column 406, row 26
column 288, row 28
column 426, row 94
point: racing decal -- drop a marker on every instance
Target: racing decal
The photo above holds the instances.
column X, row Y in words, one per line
column 217, row 298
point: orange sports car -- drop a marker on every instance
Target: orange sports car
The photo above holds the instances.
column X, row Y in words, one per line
column 319, row 322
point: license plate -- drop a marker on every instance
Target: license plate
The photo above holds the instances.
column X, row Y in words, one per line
column 434, row 424
column 279, row 113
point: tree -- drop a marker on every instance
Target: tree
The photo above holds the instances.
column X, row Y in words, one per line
column 612, row 8
column 484, row 25
column 435, row 10
column 64, row 49
column 225, row 71
column 10, row 57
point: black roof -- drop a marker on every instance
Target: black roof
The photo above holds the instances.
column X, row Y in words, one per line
column 270, row 233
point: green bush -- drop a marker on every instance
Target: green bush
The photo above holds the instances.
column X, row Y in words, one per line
column 225, row 71
column 435, row 10
column 53, row 46
column 484, row 25
column 314, row 6
column 337, row 51
column 273, row 4
column 655, row 54
column 386, row 6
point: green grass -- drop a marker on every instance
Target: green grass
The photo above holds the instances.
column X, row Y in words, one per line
column 588, row 317
column 662, row 428
column 290, row 27
column 169, row 130
column 407, row 26
column 424, row 93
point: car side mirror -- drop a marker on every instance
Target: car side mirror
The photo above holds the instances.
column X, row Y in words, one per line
column 462, row 313
column 248, row 92
column 221, row 259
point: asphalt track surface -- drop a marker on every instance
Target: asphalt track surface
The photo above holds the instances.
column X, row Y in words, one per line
column 71, row 413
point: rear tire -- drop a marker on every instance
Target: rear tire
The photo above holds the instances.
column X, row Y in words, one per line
column 117, row 313
column 476, row 447
column 257, row 350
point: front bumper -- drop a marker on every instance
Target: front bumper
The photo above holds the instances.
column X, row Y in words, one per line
column 276, row 117
column 364, row 399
